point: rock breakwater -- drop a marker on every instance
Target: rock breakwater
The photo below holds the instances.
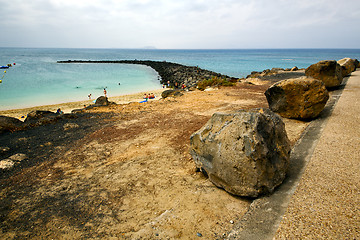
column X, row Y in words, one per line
column 172, row 74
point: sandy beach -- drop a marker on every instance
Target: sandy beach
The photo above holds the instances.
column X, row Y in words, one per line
column 67, row 107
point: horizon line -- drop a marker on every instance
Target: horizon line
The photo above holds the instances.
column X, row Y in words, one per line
column 154, row 48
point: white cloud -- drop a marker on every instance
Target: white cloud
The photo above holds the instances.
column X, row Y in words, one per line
column 178, row 24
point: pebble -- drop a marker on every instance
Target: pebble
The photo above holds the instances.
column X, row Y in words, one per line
column 199, row 234
column 231, row 221
column 4, row 149
column 18, row 157
column 6, row 164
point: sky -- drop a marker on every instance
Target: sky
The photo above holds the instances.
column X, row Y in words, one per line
column 180, row 24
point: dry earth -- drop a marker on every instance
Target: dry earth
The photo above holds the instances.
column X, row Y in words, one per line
column 127, row 176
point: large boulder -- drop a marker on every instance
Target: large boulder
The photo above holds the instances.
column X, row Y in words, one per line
column 102, row 101
column 40, row 117
column 348, row 65
column 246, row 152
column 9, row 124
column 301, row 98
column 328, row 71
column 171, row 93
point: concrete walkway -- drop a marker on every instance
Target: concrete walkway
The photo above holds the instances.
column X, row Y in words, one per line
column 321, row 197
column 326, row 203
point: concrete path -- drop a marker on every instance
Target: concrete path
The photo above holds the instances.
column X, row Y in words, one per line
column 321, row 197
column 326, row 203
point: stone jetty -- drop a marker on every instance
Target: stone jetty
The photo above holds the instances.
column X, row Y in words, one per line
column 170, row 73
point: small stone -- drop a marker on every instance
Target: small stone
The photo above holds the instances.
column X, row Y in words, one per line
column 68, row 126
column 6, row 164
column 18, row 157
column 231, row 221
column 199, row 234
column 4, row 149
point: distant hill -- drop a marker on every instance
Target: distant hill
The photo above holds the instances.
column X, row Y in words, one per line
column 149, row 47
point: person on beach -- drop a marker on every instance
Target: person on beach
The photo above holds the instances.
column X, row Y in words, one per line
column 58, row 111
column 151, row 96
column 105, row 92
column 89, row 96
column 146, row 97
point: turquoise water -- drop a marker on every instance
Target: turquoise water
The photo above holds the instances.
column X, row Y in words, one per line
column 37, row 79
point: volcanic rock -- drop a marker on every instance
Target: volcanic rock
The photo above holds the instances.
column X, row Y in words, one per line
column 171, row 93
column 40, row 117
column 246, row 152
column 328, row 71
column 10, row 124
column 103, row 101
column 297, row 98
column 348, row 65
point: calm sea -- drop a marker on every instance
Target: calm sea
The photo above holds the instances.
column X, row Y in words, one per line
column 37, row 79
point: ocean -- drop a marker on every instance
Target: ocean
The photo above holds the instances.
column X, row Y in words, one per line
column 37, row 78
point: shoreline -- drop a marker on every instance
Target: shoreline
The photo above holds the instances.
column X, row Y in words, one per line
column 67, row 107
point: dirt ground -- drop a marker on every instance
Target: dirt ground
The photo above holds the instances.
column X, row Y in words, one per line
column 124, row 173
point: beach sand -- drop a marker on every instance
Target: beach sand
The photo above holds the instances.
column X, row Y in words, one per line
column 67, row 107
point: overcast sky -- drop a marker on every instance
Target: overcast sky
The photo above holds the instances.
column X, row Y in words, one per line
column 180, row 24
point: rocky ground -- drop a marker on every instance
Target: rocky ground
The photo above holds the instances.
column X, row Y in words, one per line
column 123, row 171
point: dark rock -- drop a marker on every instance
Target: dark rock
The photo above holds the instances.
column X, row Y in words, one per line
column 10, row 124
column 80, row 110
column 297, row 98
column 39, row 117
column 348, row 65
column 276, row 74
column 171, row 93
column 328, row 71
column 357, row 63
column 294, row 69
column 4, row 150
column 102, row 101
column 246, row 152
column 282, row 76
column 173, row 73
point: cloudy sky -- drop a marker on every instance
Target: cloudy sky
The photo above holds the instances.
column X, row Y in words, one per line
column 180, row 24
